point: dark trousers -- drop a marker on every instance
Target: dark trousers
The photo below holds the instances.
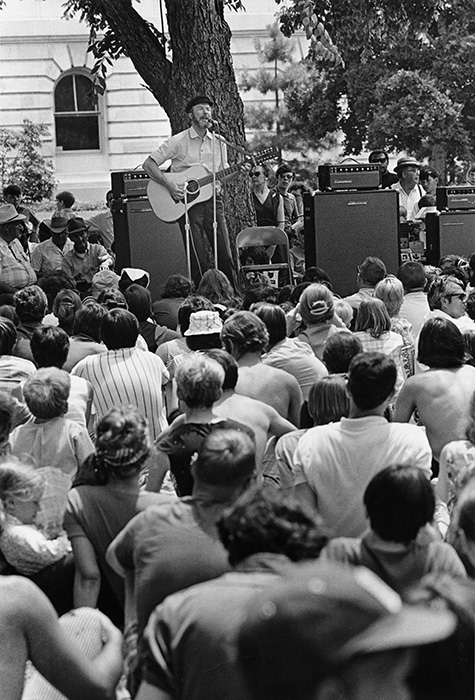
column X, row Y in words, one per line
column 201, row 225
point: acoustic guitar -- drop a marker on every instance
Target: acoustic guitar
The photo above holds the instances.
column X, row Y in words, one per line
column 198, row 184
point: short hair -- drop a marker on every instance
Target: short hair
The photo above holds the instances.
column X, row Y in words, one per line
column 469, row 342
column 412, row 275
column 399, row 500
column 30, row 303
column 376, row 155
column 54, row 283
column 7, row 413
column 391, row 292
column 470, row 305
column 339, row 350
column 66, row 198
column 274, row 318
column 426, row 171
column 328, row 400
column 199, row 381
column 119, row 329
column 65, row 306
column 49, row 346
column 372, row 270
column 284, row 169
column 228, row 363
column 261, row 293
column 8, row 336
column 318, row 275
column 122, row 444
column 139, row 301
column 247, row 331
column 372, row 316
column 268, row 522
column 427, row 200
column 316, row 304
column 438, row 288
column 87, row 320
column 14, row 190
column 112, row 298
column 46, row 392
column 441, row 344
column 371, row 379
column 226, row 458
column 177, row 286
column 20, row 480
column 344, row 311
column 189, row 306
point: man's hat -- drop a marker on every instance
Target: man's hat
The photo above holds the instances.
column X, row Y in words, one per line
column 8, row 214
column 57, row 223
column 322, row 614
column 405, row 162
column 204, row 323
column 198, row 100
column 77, row 225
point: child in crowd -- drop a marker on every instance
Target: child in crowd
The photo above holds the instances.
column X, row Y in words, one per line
column 53, row 442
column 21, row 542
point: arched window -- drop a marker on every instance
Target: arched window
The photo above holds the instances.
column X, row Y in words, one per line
column 76, row 114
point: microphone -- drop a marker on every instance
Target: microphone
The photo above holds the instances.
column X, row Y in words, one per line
column 213, row 124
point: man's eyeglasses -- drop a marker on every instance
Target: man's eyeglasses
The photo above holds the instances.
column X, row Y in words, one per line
column 255, row 173
column 462, row 296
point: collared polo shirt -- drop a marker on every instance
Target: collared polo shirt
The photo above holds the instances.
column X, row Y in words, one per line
column 47, row 257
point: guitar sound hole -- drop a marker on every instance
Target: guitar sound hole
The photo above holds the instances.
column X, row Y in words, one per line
column 192, row 186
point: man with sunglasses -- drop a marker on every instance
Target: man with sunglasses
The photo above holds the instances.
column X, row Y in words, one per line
column 380, row 156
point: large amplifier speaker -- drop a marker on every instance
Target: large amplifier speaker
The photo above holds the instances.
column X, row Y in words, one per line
column 343, row 228
column 449, row 233
column 143, row 240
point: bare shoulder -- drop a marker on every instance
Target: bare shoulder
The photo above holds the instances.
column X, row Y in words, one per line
column 18, row 595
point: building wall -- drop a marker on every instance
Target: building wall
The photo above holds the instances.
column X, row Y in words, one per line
column 37, row 46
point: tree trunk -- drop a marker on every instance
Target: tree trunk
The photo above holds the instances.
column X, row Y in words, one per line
column 438, row 160
column 200, row 40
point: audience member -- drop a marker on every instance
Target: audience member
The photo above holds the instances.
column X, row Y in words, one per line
column 30, row 306
column 193, row 629
column 327, row 631
column 102, row 224
column 85, row 259
column 86, row 334
column 105, row 497
column 124, row 374
column 48, row 255
column 332, row 478
column 64, row 204
column 371, row 271
column 261, row 418
column 391, row 293
column 165, row 310
column 16, row 271
column 245, row 337
column 293, row 217
column 429, row 179
column 104, row 280
column 290, row 354
column 139, row 302
column 338, row 352
column 268, row 204
column 399, row 547
column 13, row 370
column 382, row 157
column 442, row 395
column 461, row 533
column 215, row 286
column 12, row 194
column 65, row 306
column 414, row 306
column 316, row 308
column 199, row 385
column 446, row 298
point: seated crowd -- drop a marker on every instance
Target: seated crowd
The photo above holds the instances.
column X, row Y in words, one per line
column 223, row 494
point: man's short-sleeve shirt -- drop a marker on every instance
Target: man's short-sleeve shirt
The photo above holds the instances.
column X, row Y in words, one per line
column 187, row 149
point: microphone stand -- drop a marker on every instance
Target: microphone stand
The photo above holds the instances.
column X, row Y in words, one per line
column 215, row 222
column 187, row 234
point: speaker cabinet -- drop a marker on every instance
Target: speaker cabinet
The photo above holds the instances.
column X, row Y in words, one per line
column 450, row 232
column 143, row 240
column 343, row 228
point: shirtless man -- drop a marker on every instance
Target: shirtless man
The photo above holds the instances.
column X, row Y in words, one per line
column 441, row 395
column 29, row 629
column 245, row 336
column 260, row 417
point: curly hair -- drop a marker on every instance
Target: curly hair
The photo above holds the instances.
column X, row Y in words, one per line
column 46, row 392
column 30, row 303
column 177, row 286
column 199, row 380
column 261, row 522
column 246, row 331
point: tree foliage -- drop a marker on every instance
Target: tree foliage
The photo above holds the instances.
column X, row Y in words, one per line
column 21, row 162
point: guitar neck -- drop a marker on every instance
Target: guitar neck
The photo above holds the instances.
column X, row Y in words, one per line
column 219, row 175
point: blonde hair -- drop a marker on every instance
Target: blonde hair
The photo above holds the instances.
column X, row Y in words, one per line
column 373, row 317
column 18, row 480
column 46, row 392
column 316, row 304
column 391, row 292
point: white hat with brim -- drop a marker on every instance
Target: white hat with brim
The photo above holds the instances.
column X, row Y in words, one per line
column 204, row 323
column 8, row 214
column 406, row 162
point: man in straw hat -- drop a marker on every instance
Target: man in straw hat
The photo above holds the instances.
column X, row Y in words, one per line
column 84, row 259
column 408, row 187
column 48, row 256
column 16, row 271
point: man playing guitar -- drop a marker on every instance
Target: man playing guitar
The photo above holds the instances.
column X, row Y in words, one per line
column 189, row 148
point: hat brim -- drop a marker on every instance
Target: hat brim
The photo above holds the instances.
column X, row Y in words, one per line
column 18, row 217
column 412, row 626
column 398, row 168
column 78, row 230
column 208, row 331
column 55, row 229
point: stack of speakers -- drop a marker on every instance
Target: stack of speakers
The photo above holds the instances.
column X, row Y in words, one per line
column 353, row 219
column 452, row 229
column 141, row 239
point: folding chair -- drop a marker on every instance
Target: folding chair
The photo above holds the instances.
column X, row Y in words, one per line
column 264, row 236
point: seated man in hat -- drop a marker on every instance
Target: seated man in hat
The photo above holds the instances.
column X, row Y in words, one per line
column 13, row 194
column 48, row 256
column 16, row 271
column 85, row 259
column 408, row 187
column 197, row 146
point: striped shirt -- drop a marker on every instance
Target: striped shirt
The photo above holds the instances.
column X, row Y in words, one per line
column 127, row 376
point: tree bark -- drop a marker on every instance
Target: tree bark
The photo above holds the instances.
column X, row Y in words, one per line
column 200, row 40
column 438, row 160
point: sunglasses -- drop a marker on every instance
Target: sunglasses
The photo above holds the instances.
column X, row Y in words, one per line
column 255, row 173
column 461, row 296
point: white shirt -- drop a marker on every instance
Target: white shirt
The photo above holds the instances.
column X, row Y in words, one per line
column 410, row 201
